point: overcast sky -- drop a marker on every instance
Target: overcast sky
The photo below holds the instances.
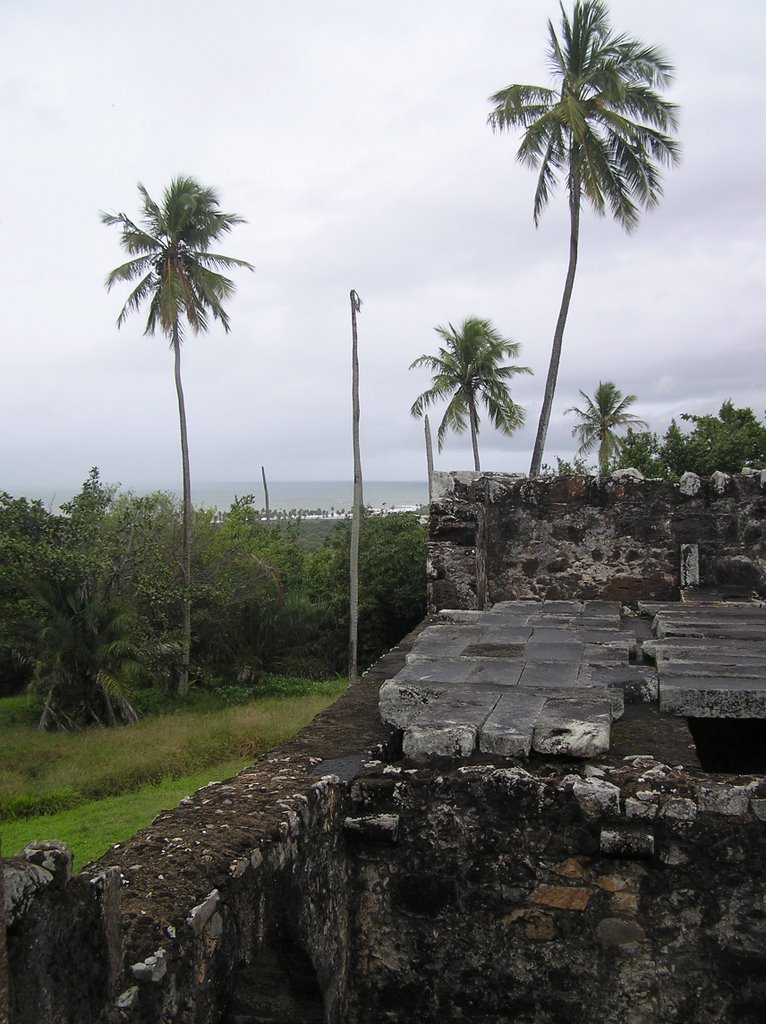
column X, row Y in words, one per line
column 353, row 138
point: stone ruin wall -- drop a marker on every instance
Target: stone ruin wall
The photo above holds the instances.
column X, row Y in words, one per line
column 631, row 894
column 627, row 893
column 497, row 537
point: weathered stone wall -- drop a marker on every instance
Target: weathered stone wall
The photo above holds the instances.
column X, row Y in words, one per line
column 624, row 893
column 507, row 897
column 497, row 537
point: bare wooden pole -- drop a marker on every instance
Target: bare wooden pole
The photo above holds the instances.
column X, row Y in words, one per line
column 266, row 496
column 356, row 516
column 429, row 459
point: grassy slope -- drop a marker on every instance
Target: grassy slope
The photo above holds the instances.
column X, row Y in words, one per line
column 92, row 827
column 140, row 769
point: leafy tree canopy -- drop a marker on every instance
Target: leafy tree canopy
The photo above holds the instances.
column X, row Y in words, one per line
column 728, row 442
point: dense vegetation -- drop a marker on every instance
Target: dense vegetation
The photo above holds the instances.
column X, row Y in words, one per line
column 90, row 599
column 728, row 442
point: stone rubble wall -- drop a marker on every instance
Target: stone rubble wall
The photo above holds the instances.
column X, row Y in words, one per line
column 628, row 894
column 82, row 950
column 499, row 537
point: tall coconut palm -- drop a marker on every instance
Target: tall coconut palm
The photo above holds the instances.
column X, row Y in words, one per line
column 180, row 281
column 469, row 370
column 604, row 129
column 606, row 412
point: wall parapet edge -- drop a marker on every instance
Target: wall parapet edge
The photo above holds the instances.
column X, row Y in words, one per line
column 496, row 537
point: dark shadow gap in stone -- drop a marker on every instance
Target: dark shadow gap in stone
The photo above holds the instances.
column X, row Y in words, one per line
column 730, row 744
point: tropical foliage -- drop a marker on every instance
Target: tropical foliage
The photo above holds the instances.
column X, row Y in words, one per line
column 89, row 600
column 730, row 441
column 603, row 128
column 179, row 279
column 599, row 419
column 467, row 371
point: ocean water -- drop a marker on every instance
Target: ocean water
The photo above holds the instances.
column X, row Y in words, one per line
column 312, row 496
column 334, row 497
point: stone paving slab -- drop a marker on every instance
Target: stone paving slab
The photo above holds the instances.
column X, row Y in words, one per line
column 593, row 693
column 554, row 634
column 717, row 667
column 509, row 728
column 731, row 630
column 608, row 654
column 550, row 673
column 549, row 678
column 496, row 672
column 513, row 647
column 589, row 635
column 711, row 697
column 449, row 727
column 400, row 704
column 705, row 647
column 547, row 651
column 572, row 728
column 436, row 671
column 639, row 683
column 718, row 610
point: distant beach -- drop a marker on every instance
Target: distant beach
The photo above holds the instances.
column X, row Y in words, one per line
column 305, row 497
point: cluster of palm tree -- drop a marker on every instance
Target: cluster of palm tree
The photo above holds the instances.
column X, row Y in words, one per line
column 603, row 128
column 605, row 131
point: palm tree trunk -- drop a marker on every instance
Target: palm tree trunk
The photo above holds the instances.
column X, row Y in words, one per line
column 353, row 614
column 558, row 337
column 183, row 672
column 474, row 433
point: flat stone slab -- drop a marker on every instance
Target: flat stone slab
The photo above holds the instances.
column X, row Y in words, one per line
column 712, row 697
column 554, row 634
column 677, row 646
column 712, row 629
column 547, row 651
column 616, row 653
column 448, row 728
column 573, row 728
column 638, row 683
column 590, row 694
column 508, row 730
column 440, row 672
column 508, row 648
column 550, row 673
column 401, row 704
column 714, row 667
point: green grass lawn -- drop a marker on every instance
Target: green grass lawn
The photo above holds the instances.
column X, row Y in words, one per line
column 96, row 787
column 92, row 827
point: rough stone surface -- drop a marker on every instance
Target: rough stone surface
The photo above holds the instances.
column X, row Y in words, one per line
column 587, row 538
column 497, row 903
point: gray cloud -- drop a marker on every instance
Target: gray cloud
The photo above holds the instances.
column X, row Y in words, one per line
column 353, row 138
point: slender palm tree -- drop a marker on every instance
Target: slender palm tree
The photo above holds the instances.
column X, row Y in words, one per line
column 467, row 370
column 604, row 129
column 180, row 280
column 606, row 412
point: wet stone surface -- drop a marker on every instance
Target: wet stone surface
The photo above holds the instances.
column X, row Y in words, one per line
column 552, row 678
